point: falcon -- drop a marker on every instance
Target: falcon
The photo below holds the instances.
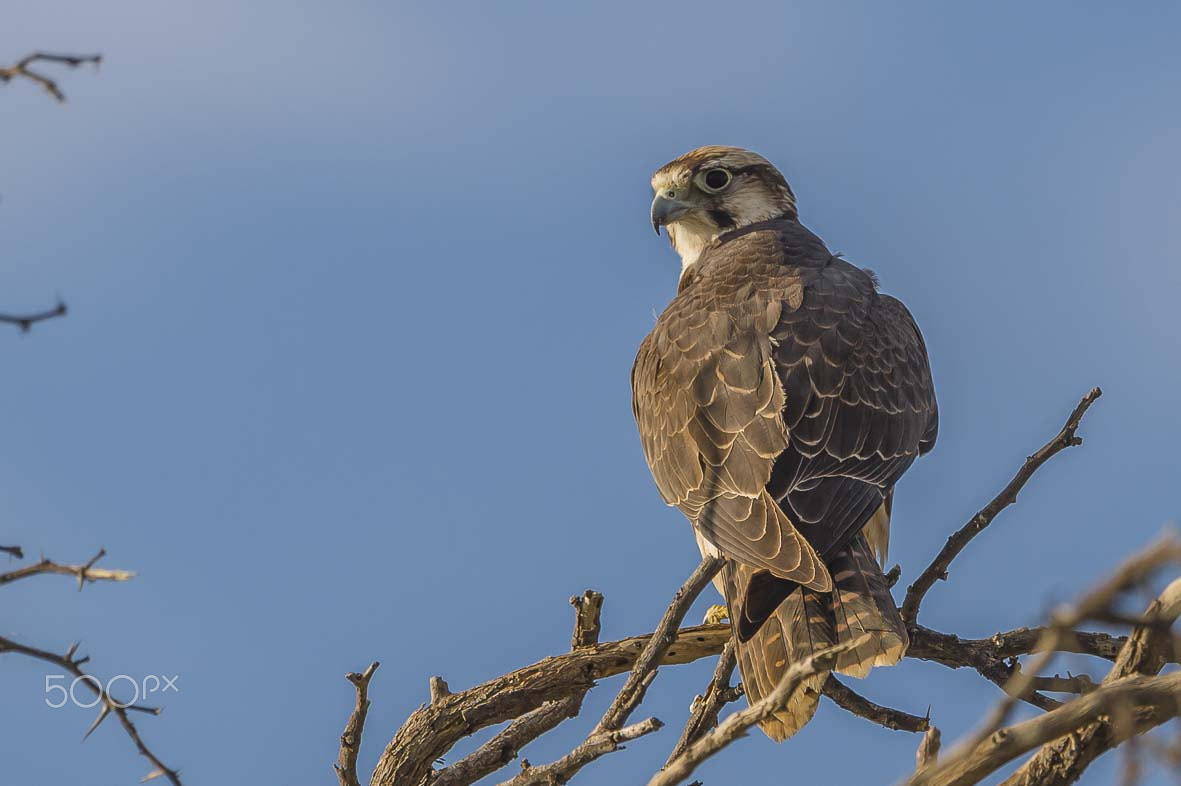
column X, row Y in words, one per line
column 779, row 398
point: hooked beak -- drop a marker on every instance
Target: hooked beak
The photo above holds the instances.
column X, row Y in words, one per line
column 666, row 210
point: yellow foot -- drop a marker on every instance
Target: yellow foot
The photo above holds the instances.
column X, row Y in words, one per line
column 715, row 615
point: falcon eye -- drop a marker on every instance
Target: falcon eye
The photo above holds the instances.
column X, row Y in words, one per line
column 715, row 180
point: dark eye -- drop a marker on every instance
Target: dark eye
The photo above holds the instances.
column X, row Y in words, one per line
column 716, row 179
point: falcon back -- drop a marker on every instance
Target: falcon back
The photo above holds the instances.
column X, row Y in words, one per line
column 779, row 398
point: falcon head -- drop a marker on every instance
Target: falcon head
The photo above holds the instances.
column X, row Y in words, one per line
column 713, row 190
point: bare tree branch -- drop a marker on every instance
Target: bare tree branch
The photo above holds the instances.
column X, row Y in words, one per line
column 21, row 70
column 1160, row 694
column 937, row 570
column 705, row 709
column 110, row 706
column 350, row 739
column 541, row 696
column 26, row 321
column 504, row 747
column 927, row 754
column 84, row 573
column 736, row 724
column 1132, row 572
column 433, row 729
column 587, row 609
column 1146, row 651
column 609, row 731
column 849, row 700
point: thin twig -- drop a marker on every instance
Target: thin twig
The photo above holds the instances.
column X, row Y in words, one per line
column 83, row 573
column 705, row 709
column 110, row 706
column 434, row 728
column 937, row 570
column 737, row 724
column 1131, row 573
column 851, row 701
column 350, row 739
column 604, row 738
column 504, row 747
column 1145, row 652
column 26, row 321
column 21, row 70
column 1002, row 746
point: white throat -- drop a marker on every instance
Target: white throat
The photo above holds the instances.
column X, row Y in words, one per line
column 689, row 241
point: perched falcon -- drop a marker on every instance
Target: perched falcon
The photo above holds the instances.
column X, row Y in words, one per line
column 779, row 398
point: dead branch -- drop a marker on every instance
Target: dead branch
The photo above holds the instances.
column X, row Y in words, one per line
column 928, row 752
column 21, row 70
column 937, row 570
column 1158, row 694
column 588, row 608
column 609, row 731
column 736, row 724
column 26, row 321
column 504, row 747
column 986, row 746
column 84, row 573
column 1146, row 651
column 539, row 697
column 851, row 701
column 704, row 711
column 110, row 706
column 434, row 728
column 350, row 739
column 69, row 662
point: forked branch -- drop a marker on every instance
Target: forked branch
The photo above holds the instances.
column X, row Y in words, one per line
column 537, row 698
column 22, row 70
column 72, row 663
column 937, row 570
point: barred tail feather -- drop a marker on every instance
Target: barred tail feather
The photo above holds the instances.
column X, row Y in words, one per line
column 860, row 604
column 808, row 621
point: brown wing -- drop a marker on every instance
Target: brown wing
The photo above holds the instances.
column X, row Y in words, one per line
column 779, row 398
column 709, row 406
column 860, row 404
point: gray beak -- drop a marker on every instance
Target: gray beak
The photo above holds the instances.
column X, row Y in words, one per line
column 665, row 210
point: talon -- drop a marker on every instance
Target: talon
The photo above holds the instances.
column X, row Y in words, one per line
column 716, row 615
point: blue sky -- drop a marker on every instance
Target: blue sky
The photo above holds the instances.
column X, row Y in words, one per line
column 356, row 289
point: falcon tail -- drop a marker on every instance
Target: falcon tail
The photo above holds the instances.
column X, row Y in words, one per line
column 808, row 621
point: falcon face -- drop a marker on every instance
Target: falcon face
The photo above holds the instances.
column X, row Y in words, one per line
column 779, row 398
column 712, row 190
